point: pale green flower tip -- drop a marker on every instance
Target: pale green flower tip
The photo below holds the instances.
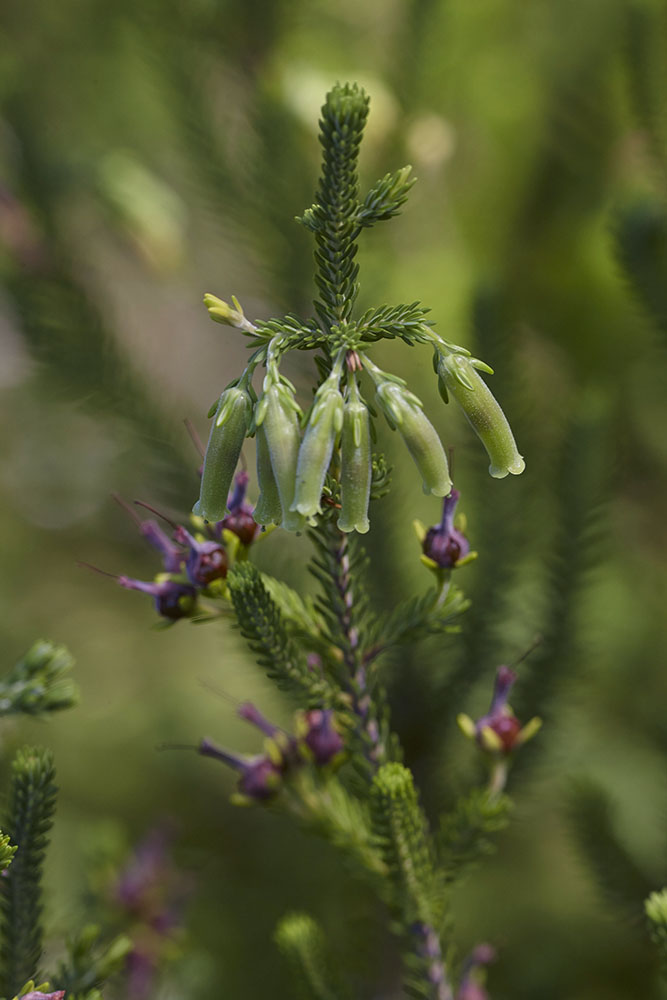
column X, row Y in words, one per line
column 360, row 526
column 515, row 467
column 222, row 312
column 293, row 521
column 306, row 507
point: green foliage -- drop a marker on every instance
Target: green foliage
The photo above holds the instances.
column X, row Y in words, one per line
column 656, row 911
column 7, row 852
column 467, row 832
column 641, row 249
column 301, row 940
column 28, row 821
column 90, row 962
column 262, row 625
column 619, row 878
column 329, row 810
column 432, row 613
column 39, row 682
column 402, row 836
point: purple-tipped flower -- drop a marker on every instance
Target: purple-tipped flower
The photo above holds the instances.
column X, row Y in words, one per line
column 173, row 600
column 499, row 731
column 37, row 995
column 239, row 520
column 471, row 987
column 321, row 736
column 205, row 561
column 443, row 543
column 259, row 777
column 172, row 554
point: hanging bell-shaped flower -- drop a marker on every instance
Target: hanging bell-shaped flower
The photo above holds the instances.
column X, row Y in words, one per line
column 404, row 413
column 230, row 426
column 325, row 423
column 458, row 375
column 356, row 468
column 278, row 414
column 268, row 509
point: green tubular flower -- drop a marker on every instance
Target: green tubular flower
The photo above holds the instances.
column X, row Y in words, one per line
column 230, row 426
column 404, row 413
column 278, row 415
column 356, row 469
column 457, row 374
column 268, row 509
column 325, row 423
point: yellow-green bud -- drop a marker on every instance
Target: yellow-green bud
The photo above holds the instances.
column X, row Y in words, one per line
column 458, row 376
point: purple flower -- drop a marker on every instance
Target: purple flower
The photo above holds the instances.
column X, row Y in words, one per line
column 240, row 520
column 173, row 600
column 471, row 988
column 499, row 732
column 205, row 561
column 36, row 995
column 443, row 543
column 172, row 554
column 259, row 777
column 320, row 735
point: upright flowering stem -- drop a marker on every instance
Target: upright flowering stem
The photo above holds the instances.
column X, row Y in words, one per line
column 338, row 545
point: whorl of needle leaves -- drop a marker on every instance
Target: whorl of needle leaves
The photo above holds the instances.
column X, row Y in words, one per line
column 28, row 821
column 261, row 623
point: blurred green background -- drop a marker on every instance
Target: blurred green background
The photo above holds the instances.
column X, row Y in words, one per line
column 152, row 152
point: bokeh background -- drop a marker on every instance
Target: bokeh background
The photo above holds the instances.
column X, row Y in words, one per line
column 154, row 151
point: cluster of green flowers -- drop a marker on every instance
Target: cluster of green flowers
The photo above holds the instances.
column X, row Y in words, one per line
column 295, row 451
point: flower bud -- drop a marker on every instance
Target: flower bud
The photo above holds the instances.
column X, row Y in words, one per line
column 240, row 520
column 458, row 375
column 324, row 425
column 173, row 600
column 278, row 415
column 268, row 509
column 499, row 732
column 443, row 544
column 205, row 562
column 320, row 737
column 222, row 312
column 230, row 426
column 403, row 411
column 356, row 469
column 259, row 777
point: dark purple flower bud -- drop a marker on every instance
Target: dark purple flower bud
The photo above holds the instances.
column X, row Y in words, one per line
column 443, row 543
column 499, row 719
column 173, row 600
column 321, row 737
column 205, row 561
column 259, row 777
column 240, row 520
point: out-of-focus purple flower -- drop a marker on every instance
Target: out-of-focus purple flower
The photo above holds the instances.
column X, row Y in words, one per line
column 239, row 520
column 36, row 995
column 205, row 561
column 173, row 600
column 443, row 543
column 320, row 735
column 499, row 731
column 471, row 987
column 153, row 893
column 172, row 554
column 259, row 777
